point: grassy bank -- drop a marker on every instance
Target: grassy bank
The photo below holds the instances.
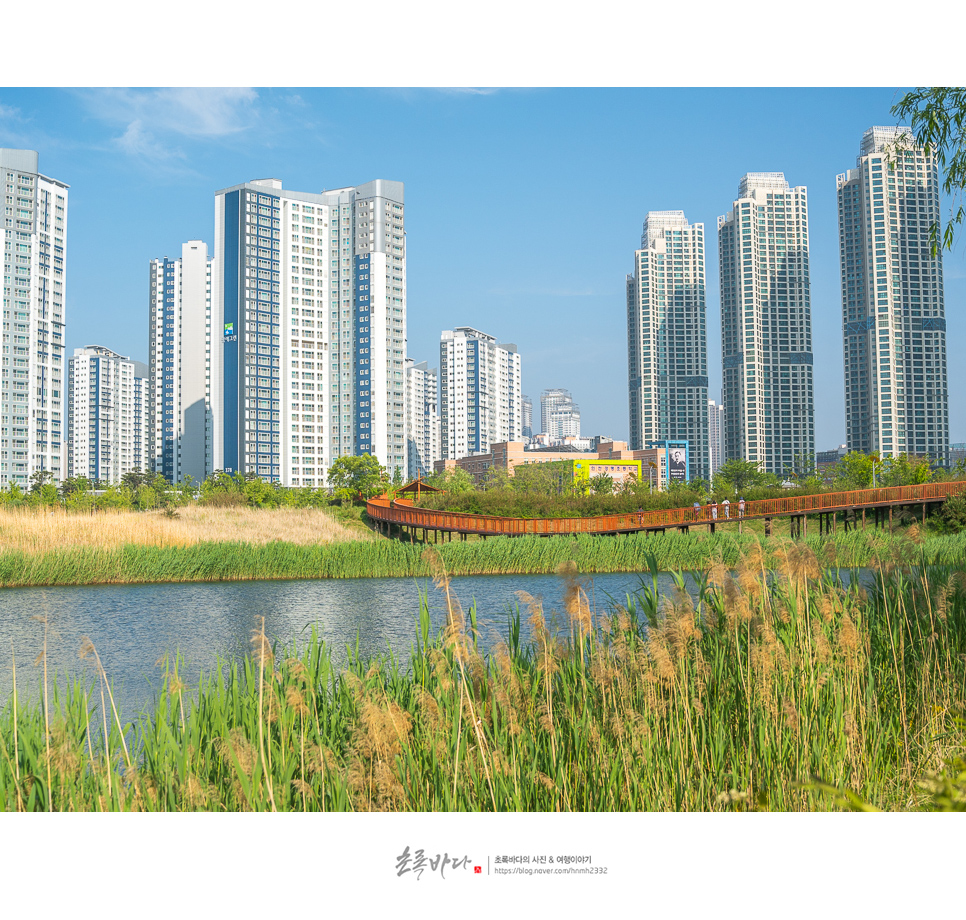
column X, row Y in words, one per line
column 32, row 531
column 792, row 694
column 238, row 561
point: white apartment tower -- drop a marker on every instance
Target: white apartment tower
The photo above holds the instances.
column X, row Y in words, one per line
column 312, row 304
column 32, row 407
column 559, row 414
column 715, row 435
column 422, row 423
column 766, row 326
column 480, row 395
column 893, row 314
column 105, row 424
column 184, row 354
column 667, row 346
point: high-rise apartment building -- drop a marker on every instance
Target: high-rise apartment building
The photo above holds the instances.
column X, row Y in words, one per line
column 32, row 406
column 893, row 314
column 766, row 326
column 715, row 435
column 480, row 395
column 105, row 422
column 422, row 423
column 526, row 417
column 559, row 414
column 312, row 304
column 667, row 347
column 184, row 355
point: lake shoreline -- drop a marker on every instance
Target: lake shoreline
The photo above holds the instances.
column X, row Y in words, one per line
column 235, row 561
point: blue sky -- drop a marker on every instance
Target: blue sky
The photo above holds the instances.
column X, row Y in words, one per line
column 524, row 207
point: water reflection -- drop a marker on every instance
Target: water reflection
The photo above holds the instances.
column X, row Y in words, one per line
column 134, row 626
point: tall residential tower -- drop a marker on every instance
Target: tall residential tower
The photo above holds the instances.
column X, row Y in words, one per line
column 106, row 431
column 33, row 408
column 312, row 306
column 480, row 396
column 667, row 346
column 422, row 422
column 766, row 326
column 893, row 314
column 184, row 356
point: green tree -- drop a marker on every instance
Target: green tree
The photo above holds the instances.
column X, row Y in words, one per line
column 135, row 478
column 937, row 116
column 602, row 484
column 356, row 476
column 496, row 478
column 738, row 476
column 459, row 481
column 855, row 471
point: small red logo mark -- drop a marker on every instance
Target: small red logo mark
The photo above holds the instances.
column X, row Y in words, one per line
column 478, row 870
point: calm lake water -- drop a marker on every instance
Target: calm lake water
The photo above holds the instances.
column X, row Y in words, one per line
column 133, row 626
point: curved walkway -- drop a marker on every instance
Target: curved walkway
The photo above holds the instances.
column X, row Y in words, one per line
column 400, row 512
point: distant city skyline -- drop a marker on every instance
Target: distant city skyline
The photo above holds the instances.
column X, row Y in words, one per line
column 168, row 151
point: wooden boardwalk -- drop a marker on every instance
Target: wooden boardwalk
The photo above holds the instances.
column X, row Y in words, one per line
column 828, row 507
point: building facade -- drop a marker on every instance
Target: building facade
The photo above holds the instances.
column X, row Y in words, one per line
column 526, row 410
column 422, row 422
column 311, row 303
column 184, row 357
column 559, row 415
column 715, row 435
column 667, row 347
column 33, row 409
column 480, row 394
column 893, row 312
column 105, row 421
column 766, row 326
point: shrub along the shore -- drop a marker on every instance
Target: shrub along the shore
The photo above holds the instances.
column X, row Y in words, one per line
column 229, row 561
column 773, row 693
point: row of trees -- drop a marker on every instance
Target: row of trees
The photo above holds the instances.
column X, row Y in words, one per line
column 543, row 489
column 350, row 479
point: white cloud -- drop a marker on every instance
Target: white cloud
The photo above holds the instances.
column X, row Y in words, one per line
column 137, row 142
column 154, row 120
column 8, row 111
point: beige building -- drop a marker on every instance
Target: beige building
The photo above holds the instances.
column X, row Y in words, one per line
column 509, row 455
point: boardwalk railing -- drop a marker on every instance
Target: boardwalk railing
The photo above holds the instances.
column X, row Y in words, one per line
column 402, row 512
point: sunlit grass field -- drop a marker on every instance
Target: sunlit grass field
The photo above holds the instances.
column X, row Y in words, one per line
column 38, row 531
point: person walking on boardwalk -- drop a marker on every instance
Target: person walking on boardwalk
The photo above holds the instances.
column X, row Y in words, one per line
column 726, row 504
column 697, row 509
column 741, row 507
column 713, row 504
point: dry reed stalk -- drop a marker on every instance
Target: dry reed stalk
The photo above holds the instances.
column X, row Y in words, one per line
column 263, row 650
column 35, row 532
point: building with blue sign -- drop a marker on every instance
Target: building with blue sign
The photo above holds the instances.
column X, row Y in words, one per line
column 311, row 295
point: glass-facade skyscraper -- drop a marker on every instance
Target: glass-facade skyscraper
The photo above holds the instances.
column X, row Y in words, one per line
column 766, row 326
column 667, row 347
column 893, row 316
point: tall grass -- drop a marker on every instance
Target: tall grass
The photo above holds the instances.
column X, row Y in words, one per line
column 38, row 531
column 236, row 561
column 782, row 691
